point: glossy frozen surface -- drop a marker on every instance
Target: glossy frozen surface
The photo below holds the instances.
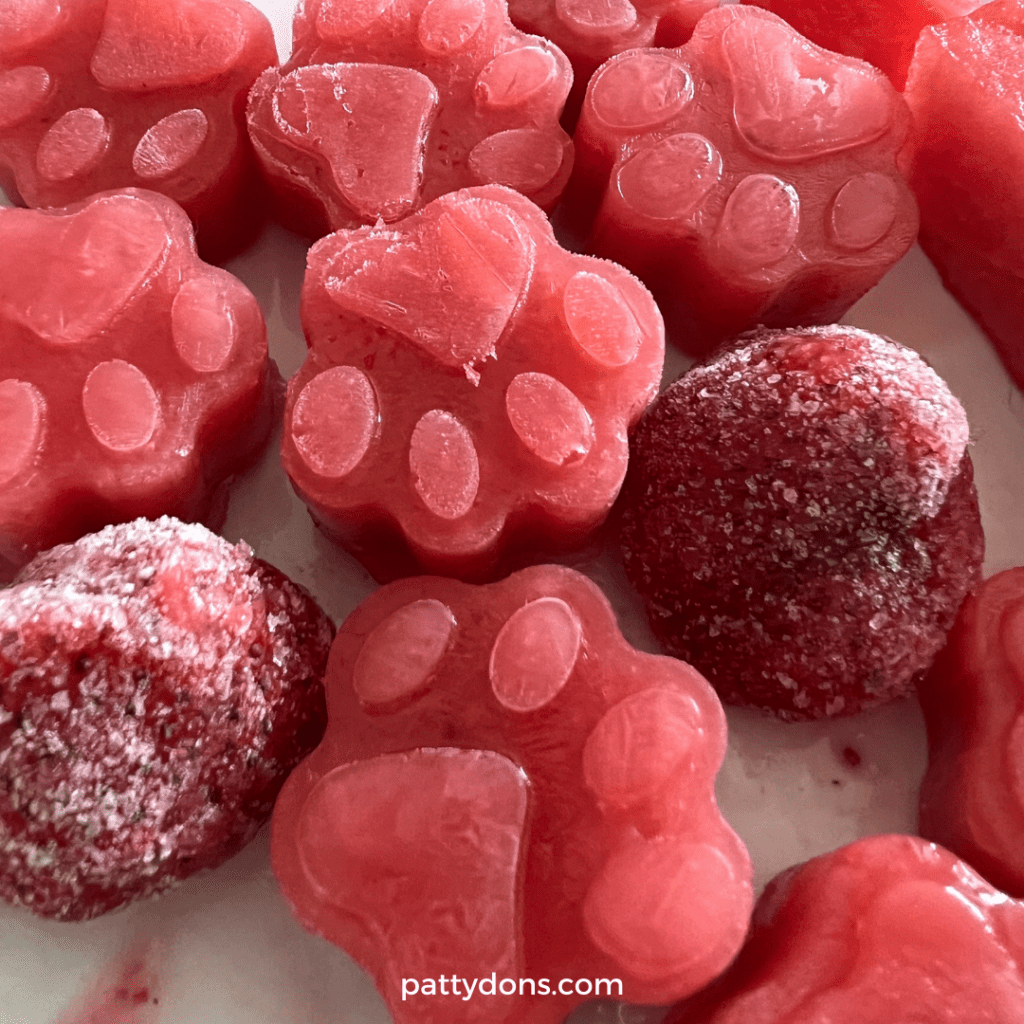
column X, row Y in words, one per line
column 224, row 950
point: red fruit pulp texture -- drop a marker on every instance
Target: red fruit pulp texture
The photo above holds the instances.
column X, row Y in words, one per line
column 755, row 184
column 507, row 787
column 972, row 797
column 965, row 89
column 888, row 928
column 106, row 94
column 134, row 377
column 384, row 106
column 447, row 427
column 588, row 32
column 801, row 520
column 156, row 686
column 878, row 31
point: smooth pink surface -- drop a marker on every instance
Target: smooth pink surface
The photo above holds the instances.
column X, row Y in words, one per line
column 888, row 928
column 104, row 94
column 972, row 798
column 385, row 106
column 596, row 848
column 755, row 183
column 965, row 90
column 468, row 388
column 878, row 31
column 134, row 377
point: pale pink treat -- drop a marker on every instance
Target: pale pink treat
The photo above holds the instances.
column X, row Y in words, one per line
column 446, row 427
column 754, row 181
column 105, row 94
column 384, row 106
column 134, row 379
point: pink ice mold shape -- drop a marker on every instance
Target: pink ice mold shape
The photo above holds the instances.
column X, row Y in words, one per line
column 888, row 928
column 755, row 182
column 468, row 390
column 133, row 377
column 588, row 32
column 107, row 94
column 507, row 789
column 387, row 104
column 972, row 797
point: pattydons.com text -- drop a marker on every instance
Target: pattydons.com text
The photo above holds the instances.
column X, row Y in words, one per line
column 467, row 988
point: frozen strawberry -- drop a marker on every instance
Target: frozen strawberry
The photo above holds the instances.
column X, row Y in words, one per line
column 965, row 90
column 156, row 686
column 387, row 104
column 446, row 427
column 878, row 31
column 889, row 928
column 104, row 94
column 801, row 520
column 755, row 183
column 588, row 32
column 972, row 798
column 507, row 789
column 133, row 377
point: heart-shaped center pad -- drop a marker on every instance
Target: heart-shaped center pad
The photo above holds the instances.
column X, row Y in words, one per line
column 370, row 122
column 165, row 44
column 65, row 277
column 449, row 282
column 422, row 850
column 793, row 100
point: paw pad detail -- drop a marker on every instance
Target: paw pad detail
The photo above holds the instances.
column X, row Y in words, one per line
column 501, row 769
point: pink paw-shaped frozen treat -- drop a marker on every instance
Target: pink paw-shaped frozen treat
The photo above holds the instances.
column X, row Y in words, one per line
column 468, row 388
column 106, row 94
column 966, row 92
column 754, row 181
column 801, row 520
column 157, row 684
column 133, row 377
column 972, row 797
column 507, row 789
column 890, row 928
column 588, row 32
column 387, row 104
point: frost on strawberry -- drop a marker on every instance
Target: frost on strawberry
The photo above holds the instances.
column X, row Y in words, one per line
column 157, row 684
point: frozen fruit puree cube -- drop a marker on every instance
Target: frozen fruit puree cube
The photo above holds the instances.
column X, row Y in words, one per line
column 104, row 94
column 972, row 797
column 878, row 31
column 387, row 104
column 590, row 31
column 468, row 388
column 133, row 377
column 156, row 685
column 965, row 90
column 889, row 928
column 754, row 183
column 507, row 787
column 801, row 520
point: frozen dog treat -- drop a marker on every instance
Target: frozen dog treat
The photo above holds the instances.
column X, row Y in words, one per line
column 443, row 427
column 801, row 520
column 507, row 788
column 383, row 107
column 106, row 94
column 156, row 686
column 755, row 182
column 133, row 377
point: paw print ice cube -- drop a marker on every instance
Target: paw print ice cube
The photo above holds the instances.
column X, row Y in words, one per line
column 468, row 388
column 506, row 788
column 104, row 94
column 133, row 377
column 887, row 928
column 753, row 182
column 387, row 104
